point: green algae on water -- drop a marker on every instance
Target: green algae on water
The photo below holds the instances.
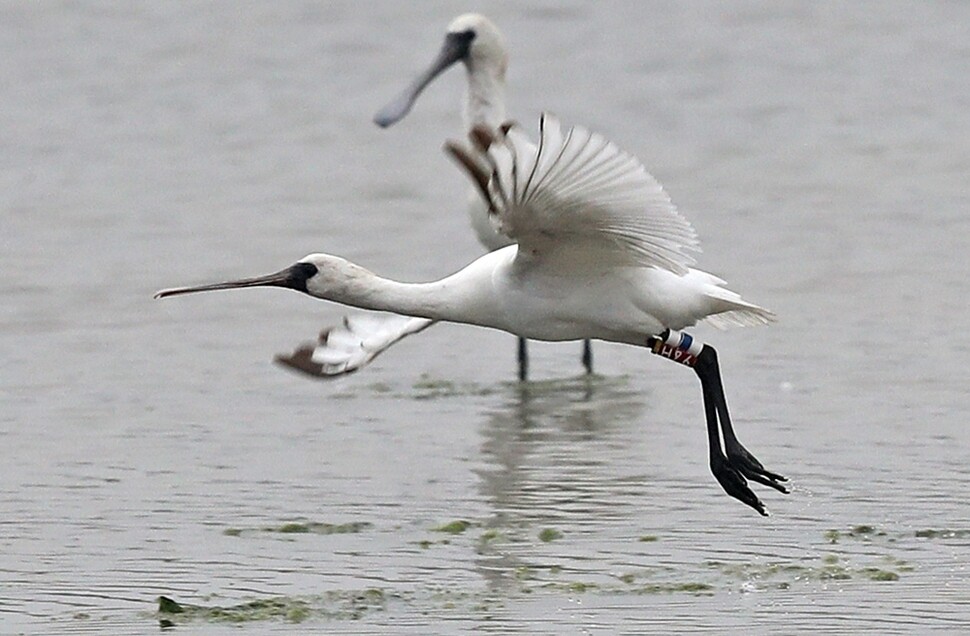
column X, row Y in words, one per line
column 487, row 538
column 575, row 587
column 832, row 571
column 169, row 606
column 338, row 605
column 862, row 531
column 454, row 527
column 304, row 527
column 549, row 534
column 833, row 567
column 878, row 574
column 291, row 610
column 315, row 527
column 695, row 588
column 942, row 534
column 490, row 535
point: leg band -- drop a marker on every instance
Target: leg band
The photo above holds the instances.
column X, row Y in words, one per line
column 677, row 346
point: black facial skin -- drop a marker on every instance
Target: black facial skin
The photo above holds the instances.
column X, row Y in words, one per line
column 300, row 274
column 464, row 37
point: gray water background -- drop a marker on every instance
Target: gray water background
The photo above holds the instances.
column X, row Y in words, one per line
column 149, row 448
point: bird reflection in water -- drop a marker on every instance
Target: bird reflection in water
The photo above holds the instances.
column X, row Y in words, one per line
column 548, row 451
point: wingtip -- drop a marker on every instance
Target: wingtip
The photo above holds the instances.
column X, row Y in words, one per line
column 301, row 361
column 464, row 159
column 482, row 137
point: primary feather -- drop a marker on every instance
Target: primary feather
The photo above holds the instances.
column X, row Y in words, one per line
column 577, row 191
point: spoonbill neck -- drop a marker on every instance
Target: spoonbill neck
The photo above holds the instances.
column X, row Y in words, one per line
column 485, row 96
column 452, row 298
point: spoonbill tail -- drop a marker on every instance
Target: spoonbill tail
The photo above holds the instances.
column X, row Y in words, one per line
column 600, row 252
column 476, row 42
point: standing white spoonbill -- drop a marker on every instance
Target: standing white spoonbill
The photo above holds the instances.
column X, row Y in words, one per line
column 476, row 42
column 600, row 253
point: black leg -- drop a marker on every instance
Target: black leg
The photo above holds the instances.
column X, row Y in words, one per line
column 523, row 360
column 588, row 356
column 709, row 372
column 732, row 481
column 729, row 469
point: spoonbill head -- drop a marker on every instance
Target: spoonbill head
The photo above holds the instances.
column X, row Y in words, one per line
column 601, row 253
column 476, row 42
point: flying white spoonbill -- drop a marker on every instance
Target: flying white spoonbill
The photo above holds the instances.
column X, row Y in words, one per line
column 475, row 41
column 600, row 252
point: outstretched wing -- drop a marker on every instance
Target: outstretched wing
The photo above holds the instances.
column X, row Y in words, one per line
column 351, row 345
column 575, row 190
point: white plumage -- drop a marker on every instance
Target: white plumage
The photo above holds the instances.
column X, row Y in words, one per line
column 601, row 253
column 593, row 227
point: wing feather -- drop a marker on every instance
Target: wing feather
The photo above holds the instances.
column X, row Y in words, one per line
column 578, row 190
column 351, row 345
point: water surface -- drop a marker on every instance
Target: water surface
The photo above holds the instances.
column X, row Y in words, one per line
column 151, row 448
